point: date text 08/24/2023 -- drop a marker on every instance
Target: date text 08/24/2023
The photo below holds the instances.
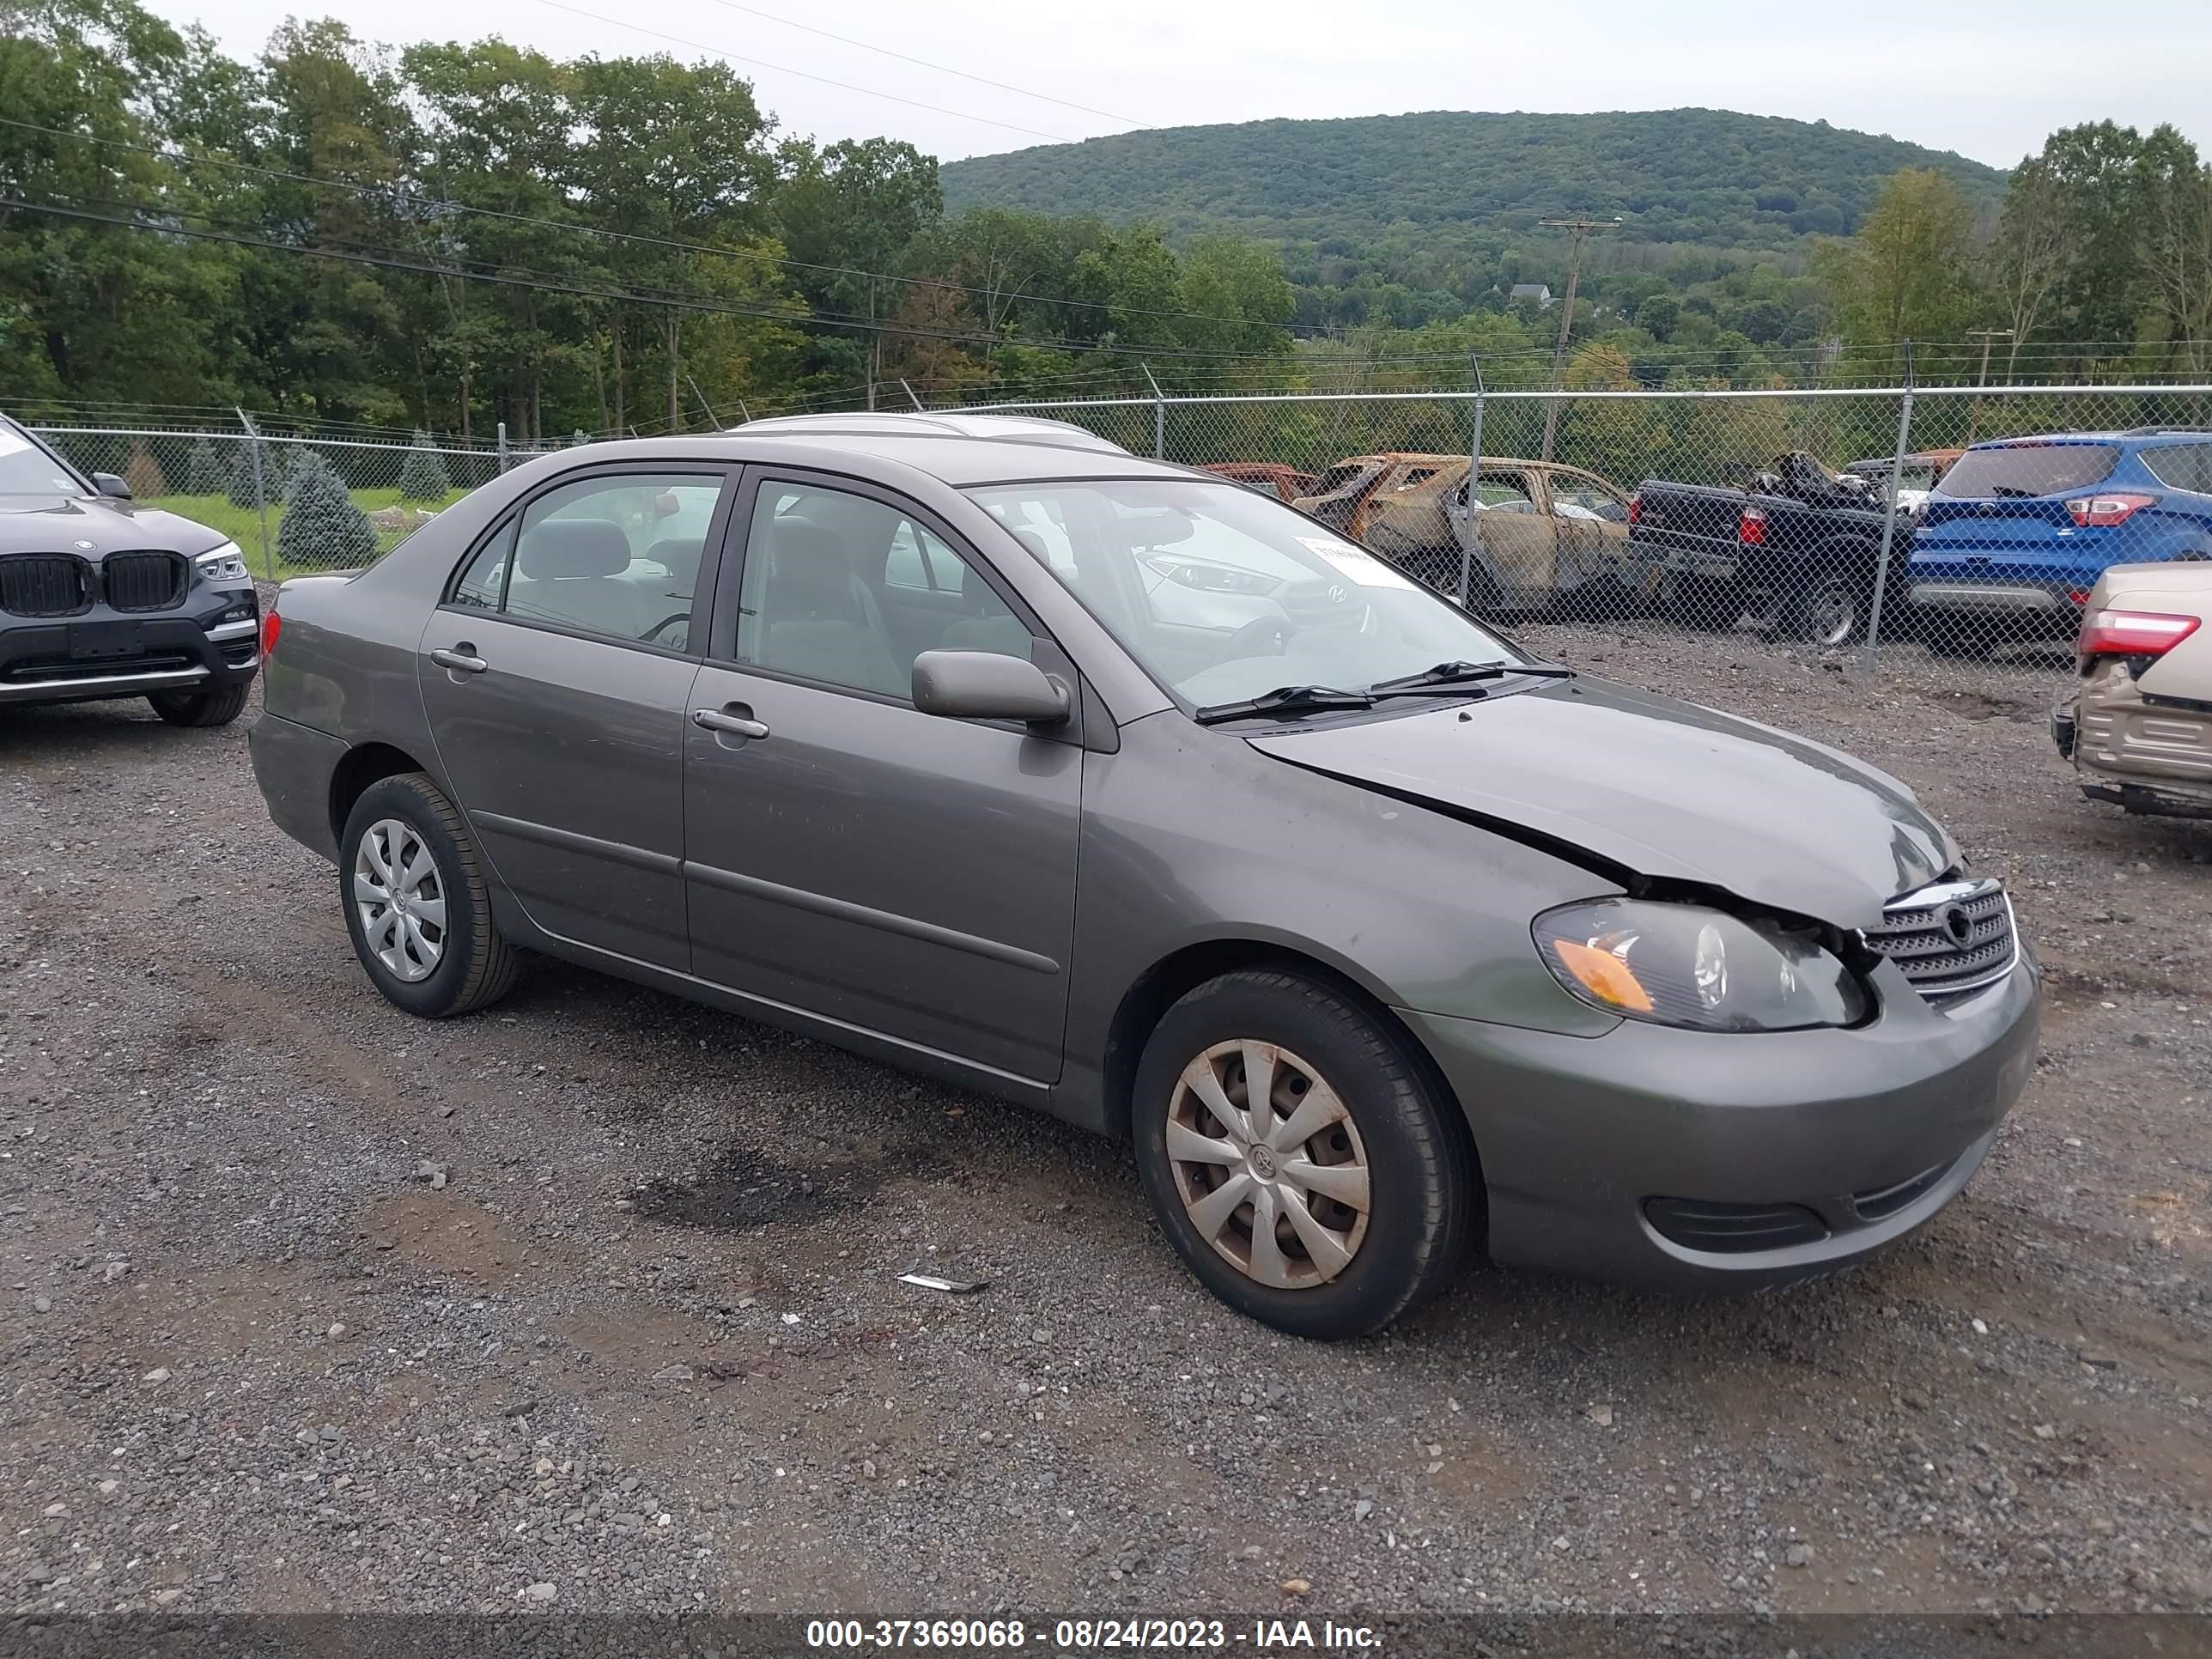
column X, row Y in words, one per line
column 1257, row 1636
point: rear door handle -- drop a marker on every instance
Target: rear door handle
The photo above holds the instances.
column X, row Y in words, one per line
column 717, row 720
column 459, row 660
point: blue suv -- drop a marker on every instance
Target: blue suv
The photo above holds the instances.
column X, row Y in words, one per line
column 2013, row 539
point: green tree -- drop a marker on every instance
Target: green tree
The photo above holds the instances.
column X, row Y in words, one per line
column 203, row 471
column 1906, row 274
column 322, row 529
column 423, row 475
column 2173, row 195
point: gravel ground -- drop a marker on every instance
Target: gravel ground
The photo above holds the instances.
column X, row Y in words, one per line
column 590, row 1301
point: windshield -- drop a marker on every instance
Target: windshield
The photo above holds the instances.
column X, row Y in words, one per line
column 28, row 470
column 1223, row 595
column 2028, row 469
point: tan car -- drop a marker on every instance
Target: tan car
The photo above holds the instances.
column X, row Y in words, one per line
column 2138, row 724
column 1544, row 533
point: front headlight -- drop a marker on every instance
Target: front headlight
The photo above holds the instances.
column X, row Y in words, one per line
column 222, row 563
column 1683, row 964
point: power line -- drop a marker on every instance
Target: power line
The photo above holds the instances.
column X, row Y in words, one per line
column 781, row 68
column 942, row 68
column 444, row 204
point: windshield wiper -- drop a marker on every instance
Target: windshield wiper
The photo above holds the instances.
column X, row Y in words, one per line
column 1462, row 673
column 1285, row 700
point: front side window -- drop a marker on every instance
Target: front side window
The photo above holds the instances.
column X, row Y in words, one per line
column 616, row 554
column 849, row 591
column 1223, row 595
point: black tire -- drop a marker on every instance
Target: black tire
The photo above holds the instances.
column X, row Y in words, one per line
column 1831, row 612
column 218, row 706
column 475, row 966
column 1424, row 1196
column 1701, row 602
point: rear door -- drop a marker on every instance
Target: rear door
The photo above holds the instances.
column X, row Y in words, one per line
column 1517, row 539
column 556, row 676
column 1590, row 518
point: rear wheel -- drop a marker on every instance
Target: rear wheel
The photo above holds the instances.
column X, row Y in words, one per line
column 415, row 905
column 218, row 706
column 1302, row 1168
column 1830, row 612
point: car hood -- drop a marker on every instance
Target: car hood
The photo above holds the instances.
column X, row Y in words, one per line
column 1657, row 788
column 92, row 526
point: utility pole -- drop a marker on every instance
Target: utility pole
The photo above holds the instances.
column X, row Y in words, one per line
column 1988, row 336
column 1582, row 228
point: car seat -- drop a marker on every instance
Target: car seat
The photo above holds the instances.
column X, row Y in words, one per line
column 818, row 621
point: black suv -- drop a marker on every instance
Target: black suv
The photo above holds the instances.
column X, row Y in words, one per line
column 101, row 598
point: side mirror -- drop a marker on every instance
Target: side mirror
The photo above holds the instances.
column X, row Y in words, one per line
column 983, row 686
column 108, row 483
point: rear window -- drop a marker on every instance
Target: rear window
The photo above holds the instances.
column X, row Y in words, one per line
column 2182, row 466
column 2016, row 469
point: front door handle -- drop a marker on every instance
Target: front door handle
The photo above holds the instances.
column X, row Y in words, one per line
column 460, row 659
column 720, row 720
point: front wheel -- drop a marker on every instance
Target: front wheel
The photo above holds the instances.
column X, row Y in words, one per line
column 219, row 705
column 1302, row 1168
column 415, row 905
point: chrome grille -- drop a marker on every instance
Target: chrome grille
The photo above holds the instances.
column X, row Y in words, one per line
column 143, row 581
column 1952, row 939
column 44, row 585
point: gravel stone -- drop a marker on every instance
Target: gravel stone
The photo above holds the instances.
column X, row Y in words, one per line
column 229, row 1160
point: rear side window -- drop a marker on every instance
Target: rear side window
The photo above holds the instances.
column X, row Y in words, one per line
column 2019, row 469
column 2182, row 466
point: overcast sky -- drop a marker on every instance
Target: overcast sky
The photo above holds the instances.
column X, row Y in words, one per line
column 1989, row 79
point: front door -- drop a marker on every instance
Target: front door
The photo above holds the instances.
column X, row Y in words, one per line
column 557, row 675
column 909, row 877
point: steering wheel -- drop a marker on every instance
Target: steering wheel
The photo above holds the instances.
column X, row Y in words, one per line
column 663, row 625
column 1247, row 641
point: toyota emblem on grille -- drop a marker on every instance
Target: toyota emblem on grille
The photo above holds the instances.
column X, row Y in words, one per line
column 1336, row 593
column 1958, row 923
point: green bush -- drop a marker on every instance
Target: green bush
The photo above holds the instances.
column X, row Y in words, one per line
column 240, row 484
column 423, row 476
column 204, row 474
column 322, row 529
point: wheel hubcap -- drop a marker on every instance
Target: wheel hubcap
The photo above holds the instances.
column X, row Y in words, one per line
column 1268, row 1164
column 1833, row 617
column 401, row 900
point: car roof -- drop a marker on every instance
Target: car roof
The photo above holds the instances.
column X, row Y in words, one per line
column 959, row 462
column 2141, row 434
column 951, row 423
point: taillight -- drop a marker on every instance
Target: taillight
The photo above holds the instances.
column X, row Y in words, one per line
column 1635, row 510
column 2132, row 633
column 1751, row 528
column 2101, row 510
column 271, row 626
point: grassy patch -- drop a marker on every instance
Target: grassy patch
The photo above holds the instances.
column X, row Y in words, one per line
column 243, row 523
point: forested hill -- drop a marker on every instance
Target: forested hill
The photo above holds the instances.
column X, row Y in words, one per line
column 1454, row 180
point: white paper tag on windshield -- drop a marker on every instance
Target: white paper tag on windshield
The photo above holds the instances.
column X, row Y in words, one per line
column 1363, row 567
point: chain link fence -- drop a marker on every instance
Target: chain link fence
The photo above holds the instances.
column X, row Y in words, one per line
column 1848, row 523
column 293, row 503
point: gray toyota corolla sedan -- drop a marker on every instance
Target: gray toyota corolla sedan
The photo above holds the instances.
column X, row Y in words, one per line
column 1378, row 939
